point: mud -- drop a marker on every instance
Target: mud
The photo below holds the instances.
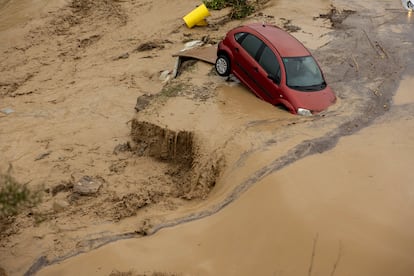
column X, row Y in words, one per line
column 147, row 46
column 163, row 144
column 193, row 178
column 336, row 17
column 287, row 26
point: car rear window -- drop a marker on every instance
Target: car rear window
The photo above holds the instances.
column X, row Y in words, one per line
column 251, row 44
column 239, row 37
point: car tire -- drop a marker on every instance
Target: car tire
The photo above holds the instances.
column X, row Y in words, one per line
column 410, row 5
column 222, row 65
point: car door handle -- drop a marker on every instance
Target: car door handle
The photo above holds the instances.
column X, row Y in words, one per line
column 256, row 69
column 236, row 49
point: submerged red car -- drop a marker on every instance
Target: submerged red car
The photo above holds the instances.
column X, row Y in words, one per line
column 276, row 67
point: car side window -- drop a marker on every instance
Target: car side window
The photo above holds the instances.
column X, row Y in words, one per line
column 251, row 44
column 269, row 63
column 239, row 37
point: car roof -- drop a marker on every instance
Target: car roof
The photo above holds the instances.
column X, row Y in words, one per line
column 285, row 44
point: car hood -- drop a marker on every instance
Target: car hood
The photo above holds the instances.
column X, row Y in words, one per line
column 315, row 101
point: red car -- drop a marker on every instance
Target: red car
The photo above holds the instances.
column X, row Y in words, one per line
column 276, row 67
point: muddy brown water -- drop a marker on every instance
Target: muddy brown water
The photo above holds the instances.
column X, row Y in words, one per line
column 405, row 94
column 294, row 199
column 346, row 212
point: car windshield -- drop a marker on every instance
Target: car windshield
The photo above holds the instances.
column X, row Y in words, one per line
column 303, row 74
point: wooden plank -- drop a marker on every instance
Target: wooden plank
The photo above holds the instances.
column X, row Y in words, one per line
column 207, row 54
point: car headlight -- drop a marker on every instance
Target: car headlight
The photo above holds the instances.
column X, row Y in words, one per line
column 304, row 112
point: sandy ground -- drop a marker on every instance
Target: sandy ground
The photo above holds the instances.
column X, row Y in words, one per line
column 71, row 72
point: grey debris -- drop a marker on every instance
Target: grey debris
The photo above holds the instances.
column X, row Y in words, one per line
column 165, row 76
column 143, row 101
column 123, row 56
column 43, row 155
column 87, row 186
column 6, row 111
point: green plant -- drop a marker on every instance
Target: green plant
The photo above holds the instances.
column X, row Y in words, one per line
column 240, row 8
column 15, row 196
column 216, row 4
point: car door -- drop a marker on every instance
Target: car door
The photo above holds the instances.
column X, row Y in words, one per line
column 269, row 74
column 246, row 68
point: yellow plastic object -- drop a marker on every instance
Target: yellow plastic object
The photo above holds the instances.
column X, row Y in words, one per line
column 197, row 16
column 202, row 23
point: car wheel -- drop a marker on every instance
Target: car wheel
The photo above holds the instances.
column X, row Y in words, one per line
column 223, row 65
column 410, row 5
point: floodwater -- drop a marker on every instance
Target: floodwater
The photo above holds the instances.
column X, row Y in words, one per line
column 406, row 92
column 345, row 212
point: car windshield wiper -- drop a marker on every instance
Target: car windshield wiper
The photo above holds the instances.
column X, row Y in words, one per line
column 304, row 88
column 314, row 87
column 317, row 86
